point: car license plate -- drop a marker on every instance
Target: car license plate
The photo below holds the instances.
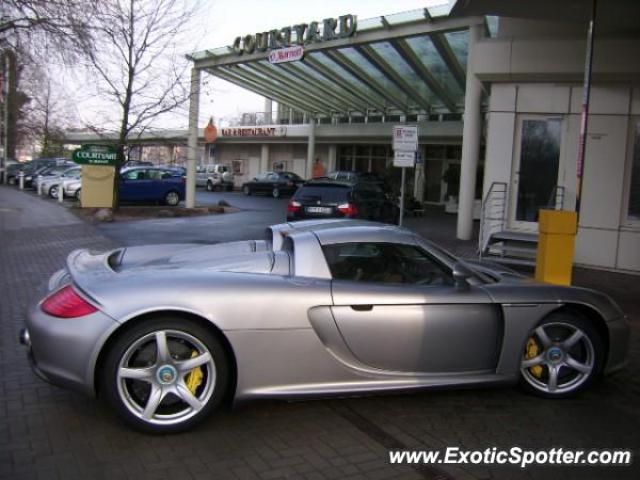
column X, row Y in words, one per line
column 325, row 210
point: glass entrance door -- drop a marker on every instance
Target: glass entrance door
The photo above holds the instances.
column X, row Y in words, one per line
column 536, row 169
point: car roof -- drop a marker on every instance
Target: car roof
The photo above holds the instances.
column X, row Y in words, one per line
column 277, row 233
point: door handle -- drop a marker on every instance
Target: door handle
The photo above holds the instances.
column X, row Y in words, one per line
column 362, row 308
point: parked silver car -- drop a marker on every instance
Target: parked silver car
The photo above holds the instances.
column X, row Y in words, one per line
column 214, row 176
column 324, row 307
column 51, row 184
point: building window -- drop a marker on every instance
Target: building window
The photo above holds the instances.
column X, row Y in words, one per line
column 633, row 211
column 237, row 166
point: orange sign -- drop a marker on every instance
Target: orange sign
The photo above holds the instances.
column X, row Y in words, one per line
column 210, row 132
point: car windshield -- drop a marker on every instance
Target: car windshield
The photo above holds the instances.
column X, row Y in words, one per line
column 72, row 173
column 323, row 193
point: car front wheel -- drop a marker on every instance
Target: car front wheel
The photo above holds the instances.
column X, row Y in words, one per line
column 209, row 186
column 172, row 199
column 53, row 191
column 563, row 356
column 77, row 194
column 165, row 375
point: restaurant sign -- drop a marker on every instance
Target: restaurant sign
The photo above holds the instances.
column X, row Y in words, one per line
column 95, row 155
column 297, row 35
column 254, row 132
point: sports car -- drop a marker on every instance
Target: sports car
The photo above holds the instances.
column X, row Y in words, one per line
column 167, row 333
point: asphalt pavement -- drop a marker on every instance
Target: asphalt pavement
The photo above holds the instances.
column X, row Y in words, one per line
column 47, row 432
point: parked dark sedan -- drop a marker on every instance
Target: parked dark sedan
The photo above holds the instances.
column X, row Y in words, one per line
column 273, row 183
column 323, row 198
column 151, row 184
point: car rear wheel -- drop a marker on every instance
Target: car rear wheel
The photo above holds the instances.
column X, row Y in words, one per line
column 275, row 192
column 165, row 375
column 172, row 199
column 209, row 186
column 246, row 190
column 563, row 356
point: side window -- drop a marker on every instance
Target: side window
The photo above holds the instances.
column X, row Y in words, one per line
column 385, row 263
column 272, row 177
column 134, row 175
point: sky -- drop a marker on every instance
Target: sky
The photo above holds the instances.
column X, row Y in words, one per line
column 223, row 21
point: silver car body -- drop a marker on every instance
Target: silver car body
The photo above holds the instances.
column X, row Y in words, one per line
column 69, row 177
column 294, row 331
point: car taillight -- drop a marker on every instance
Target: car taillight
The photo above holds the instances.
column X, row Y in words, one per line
column 66, row 303
column 294, row 206
column 349, row 209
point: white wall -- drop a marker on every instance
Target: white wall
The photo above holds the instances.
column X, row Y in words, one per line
column 603, row 240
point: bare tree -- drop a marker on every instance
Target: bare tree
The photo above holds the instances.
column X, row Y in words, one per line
column 138, row 68
column 45, row 27
column 46, row 114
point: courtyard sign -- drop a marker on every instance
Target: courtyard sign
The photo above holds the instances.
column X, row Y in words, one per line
column 95, row 155
column 297, row 35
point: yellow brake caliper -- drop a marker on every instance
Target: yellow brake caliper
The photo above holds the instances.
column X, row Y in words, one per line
column 194, row 379
column 532, row 351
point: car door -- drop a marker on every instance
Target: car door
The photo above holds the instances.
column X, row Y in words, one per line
column 261, row 183
column 398, row 310
column 201, row 176
column 135, row 186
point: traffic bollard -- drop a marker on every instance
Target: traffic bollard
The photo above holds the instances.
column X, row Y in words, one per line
column 21, row 180
column 60, row 192
column 39, row 180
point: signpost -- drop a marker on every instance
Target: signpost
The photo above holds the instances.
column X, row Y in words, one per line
column 405, row 146
column 98, row 174
column 95, row 155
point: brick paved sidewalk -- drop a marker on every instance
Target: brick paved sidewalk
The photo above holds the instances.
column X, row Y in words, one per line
column 46, row 432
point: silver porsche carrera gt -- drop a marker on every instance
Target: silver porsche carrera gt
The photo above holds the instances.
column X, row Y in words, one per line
column 166, row 333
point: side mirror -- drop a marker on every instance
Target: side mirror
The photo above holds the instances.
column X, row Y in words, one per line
column 460, row 275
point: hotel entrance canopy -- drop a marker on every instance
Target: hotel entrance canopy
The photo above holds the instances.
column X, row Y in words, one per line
column 411, row 63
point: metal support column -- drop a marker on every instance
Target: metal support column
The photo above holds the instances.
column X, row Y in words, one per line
column 192, row 144
column 471, row 132
column 333, row 155
column 311, row 149
column 268, row 111
column 264, row 157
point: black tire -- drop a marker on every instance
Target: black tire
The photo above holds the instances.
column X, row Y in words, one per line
column 78, row 194
column 246, row 190
column 137, row 347
column 577, row 364
column 209, row 186
column 53, row 191
column 12, row 181
column 172, row 198
column 275, row 193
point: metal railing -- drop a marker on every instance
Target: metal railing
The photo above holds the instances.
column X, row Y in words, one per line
column 493, row 215
column 556, row 198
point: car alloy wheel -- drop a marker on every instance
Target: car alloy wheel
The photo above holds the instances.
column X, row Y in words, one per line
column 53, row 191
column 209, row 186
column 165, row 376
column 563, row 356
column 172, row 199
column 246, row 190
column 78, row 194
column 12, row 180
column 276, row 192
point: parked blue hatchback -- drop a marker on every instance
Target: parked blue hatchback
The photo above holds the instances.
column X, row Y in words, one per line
column 152, row 184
